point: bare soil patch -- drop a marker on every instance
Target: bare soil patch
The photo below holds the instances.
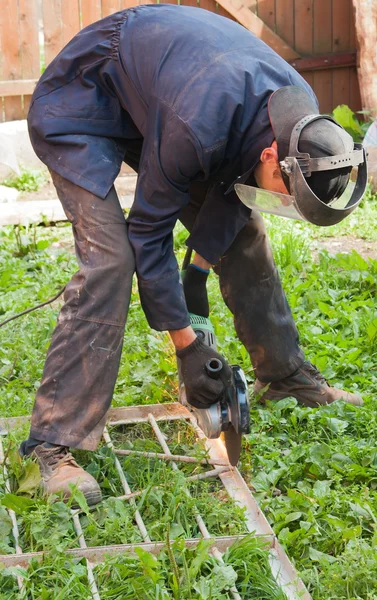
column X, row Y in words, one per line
column 346, row 244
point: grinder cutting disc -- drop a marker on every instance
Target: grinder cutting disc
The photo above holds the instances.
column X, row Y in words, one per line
column 238, row 414
column 233, row 443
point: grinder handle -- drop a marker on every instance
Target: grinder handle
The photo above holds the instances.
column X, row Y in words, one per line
column 214, row 366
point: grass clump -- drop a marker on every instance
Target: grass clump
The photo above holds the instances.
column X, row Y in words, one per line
column 57, row 576
column 181, row 573
column 44, row 524
column 29, row 180
column 111, row 522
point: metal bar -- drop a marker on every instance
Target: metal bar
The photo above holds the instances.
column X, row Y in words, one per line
column 160, row 436
column 89, row 566
column 127, row 489
column 199, row 519
column 139, row 414
column 12, row 514
column 124, row 415
column 198, row 476
column 175, row 457
column 282, row 569
column 236, row 487
column 96, row 554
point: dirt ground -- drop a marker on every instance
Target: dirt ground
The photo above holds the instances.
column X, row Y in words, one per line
column 348, row 243
column 124, row 184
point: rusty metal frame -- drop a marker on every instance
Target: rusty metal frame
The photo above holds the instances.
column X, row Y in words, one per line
column 237, row 489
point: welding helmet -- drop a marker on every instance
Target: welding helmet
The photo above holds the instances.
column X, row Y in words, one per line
column 316, row 156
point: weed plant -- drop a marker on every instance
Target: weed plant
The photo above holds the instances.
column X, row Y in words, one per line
column 30, row 180
column 180, row 573
column 56, row 577
column 177, row 573
column 313, row 471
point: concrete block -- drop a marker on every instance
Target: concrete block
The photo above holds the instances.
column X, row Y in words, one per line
column 16, row 150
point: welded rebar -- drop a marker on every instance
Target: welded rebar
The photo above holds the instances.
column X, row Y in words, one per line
column 199, row 519
column 235, row 485
column 198, row 476
column 127, row 489
column 12, row 514
column 176, row 457
column 83, row 545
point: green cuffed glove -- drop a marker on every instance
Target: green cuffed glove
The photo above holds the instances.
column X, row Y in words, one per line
column 194, row 286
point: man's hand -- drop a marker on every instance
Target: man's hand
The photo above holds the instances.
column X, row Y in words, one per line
column 201, row 389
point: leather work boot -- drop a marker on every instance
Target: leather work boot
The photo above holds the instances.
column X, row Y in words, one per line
column 59, row 469
column 308, row 386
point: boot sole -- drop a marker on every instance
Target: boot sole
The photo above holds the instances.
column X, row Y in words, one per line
column 91, row 499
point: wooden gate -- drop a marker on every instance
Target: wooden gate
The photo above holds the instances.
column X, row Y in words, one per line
column 316, row 36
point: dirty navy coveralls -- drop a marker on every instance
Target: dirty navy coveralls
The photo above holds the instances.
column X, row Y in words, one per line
column 180, row 94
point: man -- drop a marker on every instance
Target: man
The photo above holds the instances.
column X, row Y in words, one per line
column 181, row 95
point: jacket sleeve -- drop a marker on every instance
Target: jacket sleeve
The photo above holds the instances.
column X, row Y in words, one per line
column 220, row 219
column 171, row 158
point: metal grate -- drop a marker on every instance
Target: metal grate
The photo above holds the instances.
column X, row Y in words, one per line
column 237, row 489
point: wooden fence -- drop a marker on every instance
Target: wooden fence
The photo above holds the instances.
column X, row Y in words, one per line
column 316, row 36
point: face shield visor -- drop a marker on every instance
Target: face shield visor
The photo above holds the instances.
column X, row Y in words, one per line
column 298, row 167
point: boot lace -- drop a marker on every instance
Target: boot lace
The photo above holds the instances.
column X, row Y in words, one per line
column 55, row 457
column 313, row 370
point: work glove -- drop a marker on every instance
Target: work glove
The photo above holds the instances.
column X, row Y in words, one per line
column 194, row 286
column 202, row 390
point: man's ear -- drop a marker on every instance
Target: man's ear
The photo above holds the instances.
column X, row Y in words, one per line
column 270, row 154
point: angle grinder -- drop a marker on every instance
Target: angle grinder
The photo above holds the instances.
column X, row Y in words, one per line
column 230, row 416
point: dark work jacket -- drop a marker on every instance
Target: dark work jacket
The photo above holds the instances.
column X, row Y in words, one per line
column 188, row 86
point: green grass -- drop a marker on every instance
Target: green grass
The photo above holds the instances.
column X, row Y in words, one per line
column 29, row 180
column 313, row 471
column 177, row 573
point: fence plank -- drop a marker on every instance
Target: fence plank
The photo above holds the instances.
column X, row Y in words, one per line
column 304, row 24
column 323, row 87
column 220, row 10
column 90, row 11
column 128, row 3
column 266, row 12
column 352, row 18
column 322, row 31
column 285, row 19
column 341, row 43
column 17, row 87
column 194, row 3
column 29, row 44
column 304, row 31
column 11, row 59
column 210, row 5
column 355, row 98
column 52, row 28
column 249, row 20
column 110, row 6
column 252, row 5
column 70, row 11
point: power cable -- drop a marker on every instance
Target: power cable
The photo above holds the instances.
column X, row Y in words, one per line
column 29, row 310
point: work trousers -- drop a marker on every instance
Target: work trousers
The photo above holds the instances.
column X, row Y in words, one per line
column 83, row 359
